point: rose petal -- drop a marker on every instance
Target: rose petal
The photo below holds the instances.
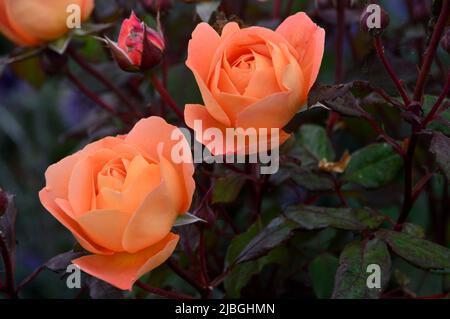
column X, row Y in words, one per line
column 152, row 221
column 201, row 49
column 123, row 269
column 309, row 41
column 81, row 190
column 149, row 133
column 47, row 199
column 105, row 227
column 10, row 30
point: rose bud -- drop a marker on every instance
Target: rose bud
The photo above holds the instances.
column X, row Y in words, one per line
column 374, row 19
column 155, row 6
column 139, row 47
column 31, row 22
column 445, row 42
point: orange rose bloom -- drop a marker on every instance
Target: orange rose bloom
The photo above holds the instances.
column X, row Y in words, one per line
column 253, row 77
column 32, row 22
column 120, row 197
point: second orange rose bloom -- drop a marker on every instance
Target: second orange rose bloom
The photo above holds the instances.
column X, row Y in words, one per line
column 253, row 77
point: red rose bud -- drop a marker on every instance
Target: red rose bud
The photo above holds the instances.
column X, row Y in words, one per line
column 445, row 42
column 139, row 47
column 374, row 19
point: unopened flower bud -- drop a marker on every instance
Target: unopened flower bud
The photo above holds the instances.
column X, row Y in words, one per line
column 445, row 42
column 374, row 19
column 139, row 47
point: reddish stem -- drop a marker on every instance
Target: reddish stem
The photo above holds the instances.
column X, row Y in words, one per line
column 9, row 270
column 86, row 91
column 437, row 105
column 380, row 51
column 162, row 292
column 88, row 68
column 431, row 51
column 166, row 96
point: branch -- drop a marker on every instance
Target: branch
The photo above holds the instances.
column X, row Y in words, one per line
column 431, row 51
column 88, row 68
column 380, row 51
column 162, row 292
column 86, row 91
column 437, row 105
column 166, row 96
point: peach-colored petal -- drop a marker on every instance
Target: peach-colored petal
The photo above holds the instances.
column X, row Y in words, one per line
column 87, row 6
column 123, row 269
column 9, row 29
column 197, row 112
column 229, row 29
column 105, row 227
column 48, row 201
column 273, row 111
column 152, row 221
column 201, row 49
column 149, row 133
column 262, row 83
column 309, row 41
column 211, row 104
column 81, row 190
column 57, row 175
column 45, row 20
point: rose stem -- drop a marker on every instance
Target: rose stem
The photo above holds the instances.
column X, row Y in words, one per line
column 276, row 10
column 380, row 51
column 339, row 62
column 185, row 275
column 86, row 91
column 418, row 94
column 30, row 278
column 88, row 68
column 431, row 51
column 438, row 103
column 9, row 270
column 166, row 96
column 162, row 292
column 203, row 263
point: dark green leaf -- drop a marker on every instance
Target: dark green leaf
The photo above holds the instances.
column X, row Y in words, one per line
column 373, row 166
column 60, row 262
column 187, row 219
column 60, row 45
column 413, row 230
column 419, row 252
column 321, row 271
column 98, row 289
column 274, row 234
column 314, row 145
column 313, row 217
column 338, row 97
column 352, row 275
column 437, row 125
column 226, row 189
column 311, row 180
column 440, row 146
column 242, row 273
